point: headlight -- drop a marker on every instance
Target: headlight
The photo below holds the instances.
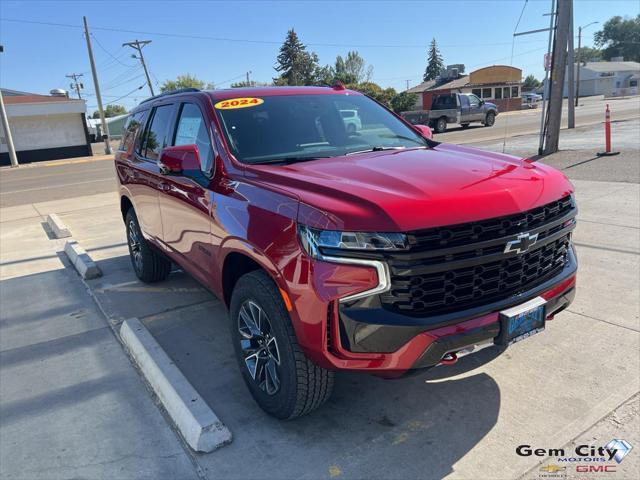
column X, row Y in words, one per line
column 314, row 239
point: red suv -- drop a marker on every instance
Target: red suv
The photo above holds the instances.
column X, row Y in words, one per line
column 371, row 249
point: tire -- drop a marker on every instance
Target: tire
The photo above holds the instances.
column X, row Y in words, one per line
column 490, row 119
column 464, row 125
column 149, row 265
column 351, row 129
column 301, row 386
column 441, row 125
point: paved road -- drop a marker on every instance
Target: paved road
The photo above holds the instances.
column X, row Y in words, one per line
column 589, row 112
column 39, row 183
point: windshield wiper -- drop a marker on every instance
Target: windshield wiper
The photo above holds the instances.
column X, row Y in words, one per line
column 378, row 148
column 287, row 160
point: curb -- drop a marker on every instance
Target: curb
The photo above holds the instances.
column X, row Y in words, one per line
column 81, row 261
column 194, row 419
column 59, row 229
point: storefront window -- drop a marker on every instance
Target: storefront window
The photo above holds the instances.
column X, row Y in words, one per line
column 507, row 92
column 514, row 92
column 498, row 93
column 486, row 93
column 476, row 92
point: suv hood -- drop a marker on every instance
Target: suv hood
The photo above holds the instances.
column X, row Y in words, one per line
column 413, row 189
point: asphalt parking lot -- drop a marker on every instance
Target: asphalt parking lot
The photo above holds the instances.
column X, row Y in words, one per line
column 575, row 383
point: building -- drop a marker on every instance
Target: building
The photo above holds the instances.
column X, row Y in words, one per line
column 115, row 125
column 499, row 84
column 611, row 79
column 44, row 127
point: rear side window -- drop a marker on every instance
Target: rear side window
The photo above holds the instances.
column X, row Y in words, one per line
column 192, row 130
column 130, row 129
column 156, row 135
column 464, row 101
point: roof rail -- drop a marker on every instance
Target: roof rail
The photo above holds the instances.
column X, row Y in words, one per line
column 170, row 92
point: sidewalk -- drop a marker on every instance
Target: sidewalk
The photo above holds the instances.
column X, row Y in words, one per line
column 71, row 403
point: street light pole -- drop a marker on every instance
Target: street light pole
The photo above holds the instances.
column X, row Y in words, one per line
column 7, row 131
column 578, row 60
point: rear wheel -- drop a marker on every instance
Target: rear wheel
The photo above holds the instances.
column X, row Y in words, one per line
column 149, row 265
column 490, row 119
column 441, row 125
column 351, row 128
column 281, row 379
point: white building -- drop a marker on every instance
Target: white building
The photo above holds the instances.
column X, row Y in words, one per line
column 44, row 127
column 611, row 79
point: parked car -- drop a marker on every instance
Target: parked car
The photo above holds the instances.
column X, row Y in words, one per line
column 380, row 251
column 530, row 99
column 351, row 120
column 460, row 108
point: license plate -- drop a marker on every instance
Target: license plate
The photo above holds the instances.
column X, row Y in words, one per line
column 522, row 321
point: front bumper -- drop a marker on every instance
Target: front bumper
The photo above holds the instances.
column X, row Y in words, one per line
column 362, row 336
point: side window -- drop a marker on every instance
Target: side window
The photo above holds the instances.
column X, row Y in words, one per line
column 464, row 101
column 475, row 101
column 156, row 135
column 192, row 129
column 130, row 129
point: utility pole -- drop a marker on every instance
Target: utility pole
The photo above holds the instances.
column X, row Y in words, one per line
column 579, row 60
column 407, row 84
column 571, row 108
column 5, row 128
column 558, row 68
column 137, row 45
column 77, row 85
column 96, row 86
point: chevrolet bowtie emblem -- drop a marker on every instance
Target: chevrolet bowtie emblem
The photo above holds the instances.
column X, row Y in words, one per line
column 552, row 469
column 523, row 243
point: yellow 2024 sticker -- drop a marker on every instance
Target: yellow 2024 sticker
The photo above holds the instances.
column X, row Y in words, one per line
column 238, row 103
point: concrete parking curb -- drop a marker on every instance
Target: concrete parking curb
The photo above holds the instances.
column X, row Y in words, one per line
column 198, row 424
column 81, row 260
column 59, row 229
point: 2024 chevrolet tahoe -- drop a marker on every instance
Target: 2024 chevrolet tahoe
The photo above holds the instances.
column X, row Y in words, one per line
column 373, row 249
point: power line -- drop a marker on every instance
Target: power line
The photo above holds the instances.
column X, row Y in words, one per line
column 246, row 40
column 110, row 54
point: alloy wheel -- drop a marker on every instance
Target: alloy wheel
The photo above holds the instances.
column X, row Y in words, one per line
column 259, row 347
column 134, row 246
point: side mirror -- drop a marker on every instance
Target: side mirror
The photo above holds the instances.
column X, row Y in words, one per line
column 425, row 131
column 174, row 160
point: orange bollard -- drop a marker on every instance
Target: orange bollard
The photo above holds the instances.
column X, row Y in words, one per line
column 607, row 134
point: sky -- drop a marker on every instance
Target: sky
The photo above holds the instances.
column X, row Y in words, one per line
column 219, row 41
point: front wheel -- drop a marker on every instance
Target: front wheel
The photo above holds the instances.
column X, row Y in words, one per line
column 490, row 119
column 283, row 382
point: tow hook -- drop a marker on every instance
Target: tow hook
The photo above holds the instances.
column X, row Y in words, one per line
column 449, row 359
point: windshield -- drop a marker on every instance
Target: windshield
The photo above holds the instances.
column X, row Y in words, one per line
column 304, row 127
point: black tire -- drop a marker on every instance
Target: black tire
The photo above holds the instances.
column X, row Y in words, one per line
column 464, row 125
column 301, row 386
column 149, row 265
column 490, row 119
column 441, row 125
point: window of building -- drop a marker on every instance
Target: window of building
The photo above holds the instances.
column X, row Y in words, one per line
column 498, row 93
column 156, row 135
column 506, row 92
column 515, row 92
column 633, row 83
column 192, row 130
column 477, row 92
column 486, row 93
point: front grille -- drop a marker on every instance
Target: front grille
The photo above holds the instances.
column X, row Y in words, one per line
column 463, row 266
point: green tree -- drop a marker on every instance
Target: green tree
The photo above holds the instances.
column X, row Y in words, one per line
column 620, row 37
column 111, row 111
column 403, row 102
column 435, row 64
column 531, row 83
column 352, row 69
column 295, row 64
column 375, row 91
column 184, row 81
column 588, row 54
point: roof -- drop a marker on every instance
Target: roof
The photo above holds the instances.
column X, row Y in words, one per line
column 457, row 83
column 422, row 87
column 612, row 66
column 32, row 98
column 276, row 91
